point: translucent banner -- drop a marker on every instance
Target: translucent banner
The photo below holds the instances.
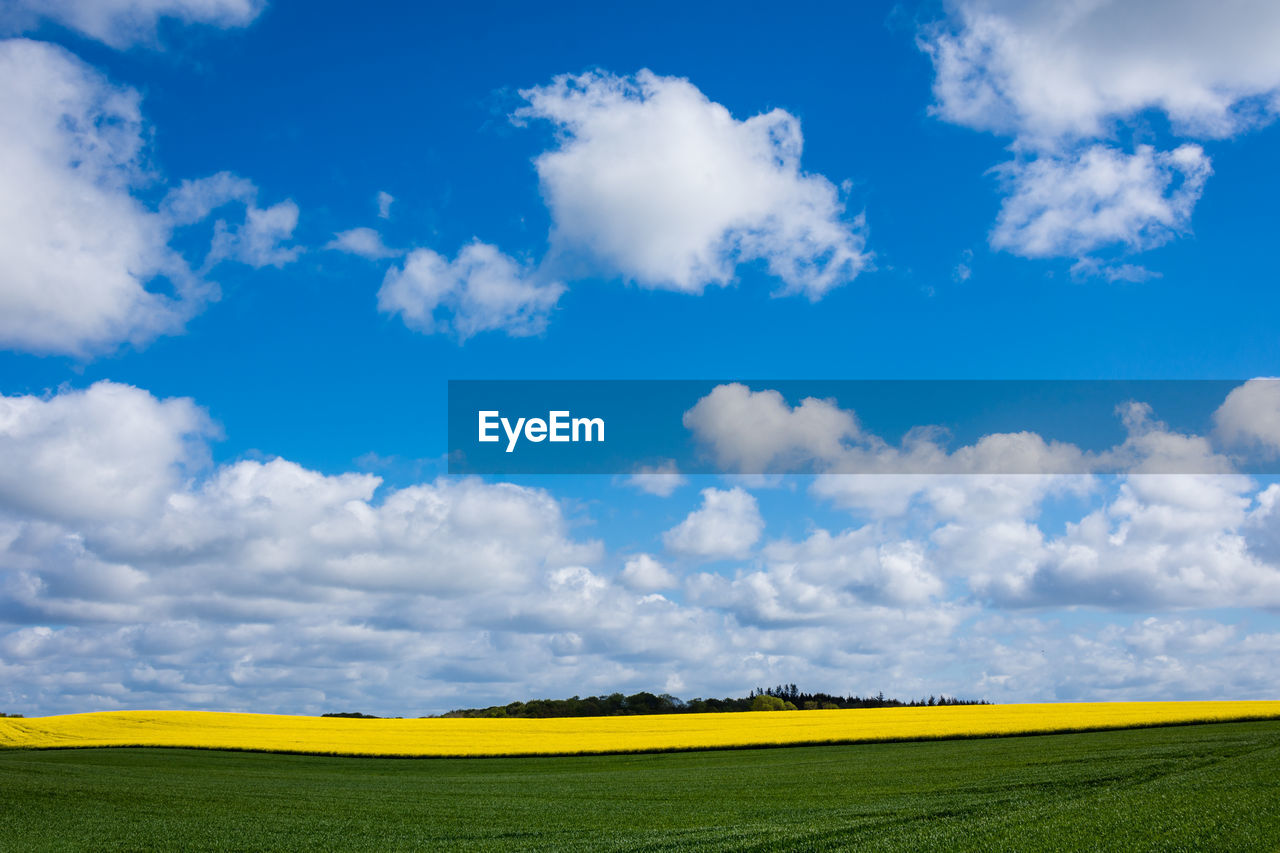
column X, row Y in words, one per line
column 864, row 427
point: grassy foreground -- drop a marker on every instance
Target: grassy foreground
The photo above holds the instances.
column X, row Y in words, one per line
column 1208, row 787
column 585, row 735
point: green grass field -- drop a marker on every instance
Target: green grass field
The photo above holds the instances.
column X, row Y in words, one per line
column 1203, row 787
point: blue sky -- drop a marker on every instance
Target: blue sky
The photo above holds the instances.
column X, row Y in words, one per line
column 224, row 422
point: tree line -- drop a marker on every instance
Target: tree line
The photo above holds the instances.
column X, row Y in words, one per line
column 783, row 697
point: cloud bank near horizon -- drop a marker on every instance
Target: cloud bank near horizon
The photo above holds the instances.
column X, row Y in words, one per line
column 141, row 573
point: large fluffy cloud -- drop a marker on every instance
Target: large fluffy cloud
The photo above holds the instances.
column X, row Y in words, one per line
column 1062, row 79
column 121, row 23
column 129, row 474
column 108, row 451
column 1047, row 70
column 76, row 248
column 84, row 265
column 665, row 187
column 1162, row 541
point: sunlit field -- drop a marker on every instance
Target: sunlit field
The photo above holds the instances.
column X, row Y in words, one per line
column 596, row 735
column 1187, row 788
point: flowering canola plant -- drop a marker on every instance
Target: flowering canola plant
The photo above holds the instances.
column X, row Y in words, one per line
column 579, row 735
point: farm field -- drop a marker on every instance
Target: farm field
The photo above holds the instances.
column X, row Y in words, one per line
column 1203, row 787
column 586, row 735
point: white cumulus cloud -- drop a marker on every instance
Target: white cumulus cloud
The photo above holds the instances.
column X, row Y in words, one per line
column 726, row 525
column 645, row 574
column 1045, row 70
column 752, row 432
column 1097, row 198
column 1064, row 81
column 480, row 290
column 1251, row 415
column 860, row 562
column 106, row 451
column 77, row 250
column 84, row 265
column 664, row 187
column 1165, row 541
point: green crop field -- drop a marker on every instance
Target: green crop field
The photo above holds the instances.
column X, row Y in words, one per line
column 1203, row 787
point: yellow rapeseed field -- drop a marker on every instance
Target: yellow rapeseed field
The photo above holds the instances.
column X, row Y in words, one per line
column 482, row 737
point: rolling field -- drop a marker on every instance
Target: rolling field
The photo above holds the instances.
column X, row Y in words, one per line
column 587, row 735
column 1205, row 787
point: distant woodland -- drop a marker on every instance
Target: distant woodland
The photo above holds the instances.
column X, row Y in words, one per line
column 783, row 697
